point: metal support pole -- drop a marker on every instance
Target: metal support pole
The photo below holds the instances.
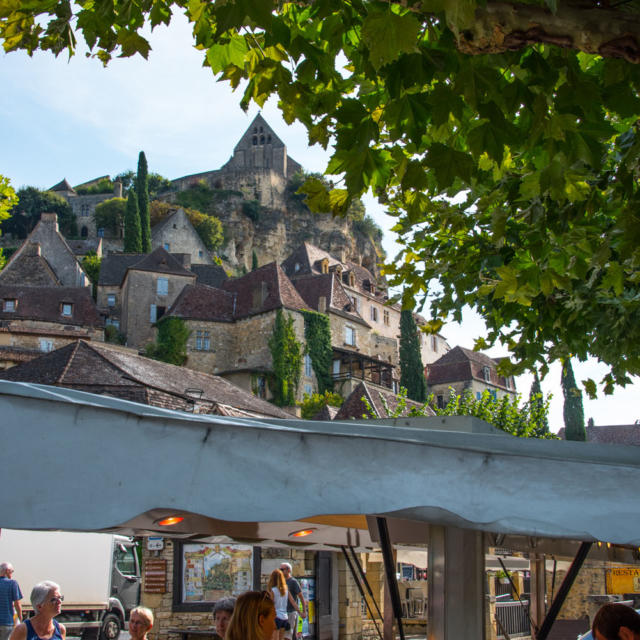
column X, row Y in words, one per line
column 390, row 571
column 563, row 591
column 363, row 577
column 360, row 589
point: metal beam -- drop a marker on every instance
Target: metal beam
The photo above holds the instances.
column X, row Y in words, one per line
column 563, row 591
column 390, row 572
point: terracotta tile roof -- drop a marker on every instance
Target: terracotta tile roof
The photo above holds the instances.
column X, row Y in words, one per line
column 83, row 364
column 30, row 269
column 45, row 304
column 461, row 364
column 200, row 302
column 114, row 267
column 264, row 289
column 307, row 257
column 211, row 274
column 161, row 261
column 312, row 287
column 354, row 406
column 615, row 434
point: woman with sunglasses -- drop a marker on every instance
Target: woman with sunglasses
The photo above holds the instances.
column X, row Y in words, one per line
column 47, row 603
column 253, row 617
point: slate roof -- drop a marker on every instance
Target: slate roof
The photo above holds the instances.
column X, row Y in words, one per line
column 45, row 304
column 326, row 413
column 280, row 292
column 82, row 247
column 210, row 274
column 161, row 261
column 63, row 185
column 84, row 364
column 200, row 302
column 461, row 364
column 308, row 257
column 29, row 268
column 313, row 287
column 354, row 406
column 114, row 267
column 615, row 434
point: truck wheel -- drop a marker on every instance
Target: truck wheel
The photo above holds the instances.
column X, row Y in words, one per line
column 111, row 627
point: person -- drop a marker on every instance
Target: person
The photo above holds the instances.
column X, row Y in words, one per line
column 280, row 595
column 254, row 617
column 295, row 592
column 10, row 596
column 616, row 621
column 140, row 621
column 222, row 612
column 47, row 604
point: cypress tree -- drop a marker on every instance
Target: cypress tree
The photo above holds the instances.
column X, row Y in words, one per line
column 536, row 399
column 142, row 189
column 132, row 235
column 254, row 261
column 573, row 411
column 411, row 367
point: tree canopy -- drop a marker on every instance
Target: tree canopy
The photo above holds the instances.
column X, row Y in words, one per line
column 527, row 111
column 109, row 215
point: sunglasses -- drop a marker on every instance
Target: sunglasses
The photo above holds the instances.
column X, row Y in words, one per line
column 56, row 599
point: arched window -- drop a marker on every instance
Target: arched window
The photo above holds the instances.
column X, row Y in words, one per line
column 261, row 139
column 255, row 140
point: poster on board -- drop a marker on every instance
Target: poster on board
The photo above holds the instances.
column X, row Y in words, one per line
column 214, row 571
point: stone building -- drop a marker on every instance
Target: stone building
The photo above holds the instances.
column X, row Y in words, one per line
column 45, row 257
column 84, row 205
column 175, row 234
column 122, row 373
column 259, row 167
column 465, row 370
column 39, row 319
column 149, row 288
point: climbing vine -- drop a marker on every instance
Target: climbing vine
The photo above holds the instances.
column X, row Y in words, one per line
column 286, row 353
column 317, row 333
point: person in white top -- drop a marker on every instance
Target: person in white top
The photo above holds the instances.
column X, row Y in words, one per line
column 277, row 588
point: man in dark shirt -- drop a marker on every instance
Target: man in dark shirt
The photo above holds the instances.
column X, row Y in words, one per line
column 295, row 593
column 10, row 596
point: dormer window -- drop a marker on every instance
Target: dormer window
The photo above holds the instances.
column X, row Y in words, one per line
column 352, row 280
column 296, row 267
column 486, row 374
column 9, row 305
column 66, row 309
column 324, row 266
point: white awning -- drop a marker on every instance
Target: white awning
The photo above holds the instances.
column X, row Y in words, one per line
column 85, row 462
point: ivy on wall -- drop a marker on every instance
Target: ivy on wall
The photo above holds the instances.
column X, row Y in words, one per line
column 286, row 353
column 317, row 332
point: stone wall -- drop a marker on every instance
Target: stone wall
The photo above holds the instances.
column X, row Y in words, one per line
column 177, row 235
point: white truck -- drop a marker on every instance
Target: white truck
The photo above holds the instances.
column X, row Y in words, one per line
column 98, row 574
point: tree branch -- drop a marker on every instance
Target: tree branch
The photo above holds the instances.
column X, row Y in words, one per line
column 502, row 26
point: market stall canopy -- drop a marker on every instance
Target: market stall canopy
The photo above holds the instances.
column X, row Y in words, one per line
column 80, row 461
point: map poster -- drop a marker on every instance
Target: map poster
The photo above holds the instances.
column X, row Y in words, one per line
column 214, row 571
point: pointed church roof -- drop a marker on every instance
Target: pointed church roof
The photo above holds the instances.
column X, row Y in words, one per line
column 260, row 131
column 63, row 185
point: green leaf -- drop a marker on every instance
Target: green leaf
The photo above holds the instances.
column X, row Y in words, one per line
column 131, row 43
column 388, row 35
column 220, row 56
column 449, row 164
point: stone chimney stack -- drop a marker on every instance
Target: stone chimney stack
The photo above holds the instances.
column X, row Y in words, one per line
column 117, row 189
column 322, row 304
column 50, row 220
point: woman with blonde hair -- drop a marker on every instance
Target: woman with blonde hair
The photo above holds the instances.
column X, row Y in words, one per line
column 277, row 587
column 253, row 617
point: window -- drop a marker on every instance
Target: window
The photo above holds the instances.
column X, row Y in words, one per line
column 111, row 300
column 67, row 309
column 100, row 232
column 440, row 402
column 125, row 560
column 374, row 314
column 493, row 394
column 84, row 232
column 9, row 305
column 308, row 369
column 324, row 266
column 84, row 210
column 203, row 342
column 113, row 322
column 163, row 286
column 434, row 343
column 350, row 336
column 385, row 317
column 200, row 253
column 356, row 303
column 478, row 395
column 46, row 345
column 296, row 267
column 259, row 385
column 166, row 245
column 486, row 374
column 336, row 368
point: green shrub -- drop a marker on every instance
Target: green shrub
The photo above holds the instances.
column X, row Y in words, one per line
column 313, row 403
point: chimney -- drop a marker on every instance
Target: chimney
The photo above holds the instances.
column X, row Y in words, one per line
column 117, row 189
column 50, row 219
column 322, row 304
column 32, row 249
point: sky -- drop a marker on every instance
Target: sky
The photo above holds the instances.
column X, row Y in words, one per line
column 78, row 120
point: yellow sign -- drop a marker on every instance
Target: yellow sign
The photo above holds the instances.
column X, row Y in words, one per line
column 623, row 580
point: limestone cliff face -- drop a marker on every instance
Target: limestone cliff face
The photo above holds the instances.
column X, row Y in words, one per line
column 273, row 234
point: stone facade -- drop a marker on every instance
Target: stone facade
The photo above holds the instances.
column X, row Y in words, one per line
column 177, row 235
